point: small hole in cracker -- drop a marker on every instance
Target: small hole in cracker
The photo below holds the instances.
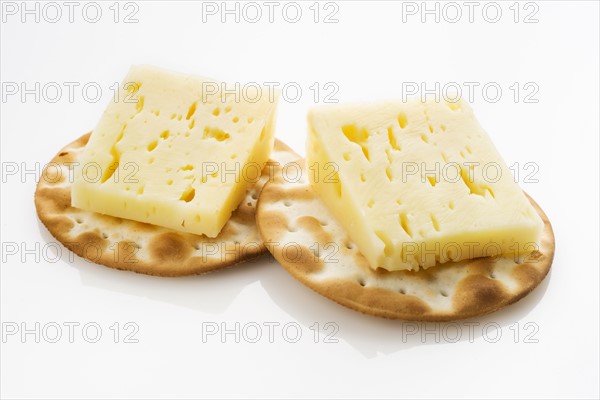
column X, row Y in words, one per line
column 444, row 293
column 362, row 283
column 492, row 275
column 249, row 204
column 349, row 245
column 64, row 153
column 78, row 220
column 324, row 223
column 287, row 203
column 402, row 291
column 104, row 235
column 254, row 196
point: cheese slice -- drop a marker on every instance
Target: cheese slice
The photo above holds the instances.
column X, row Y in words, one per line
column 175, row 150
column 417, row 183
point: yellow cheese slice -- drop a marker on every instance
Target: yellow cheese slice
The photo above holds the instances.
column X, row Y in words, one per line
column 417, row 183
column 176, row 150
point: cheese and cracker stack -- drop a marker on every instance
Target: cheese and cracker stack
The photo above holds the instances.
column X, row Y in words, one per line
column 403, row 209
column 406, row 210
column 167, row 182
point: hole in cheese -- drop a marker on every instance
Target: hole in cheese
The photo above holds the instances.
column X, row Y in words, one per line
column 388, row 173
column 392, row 140
column 140, row 104
column 215, row 133
column 402, row 120
column 454, row 106
column 116, row 157
column 357, row 136
column 404, row 224
column 388, row 247
column 469, row 181
column 434, row 222
column 188, row 194
column 191, row 111
column 152, row 145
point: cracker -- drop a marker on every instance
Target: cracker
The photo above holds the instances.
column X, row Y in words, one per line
column 314, row 248
column 135, row 246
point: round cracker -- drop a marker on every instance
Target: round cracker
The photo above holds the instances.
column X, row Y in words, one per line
column 312, row 246
column 144, row 248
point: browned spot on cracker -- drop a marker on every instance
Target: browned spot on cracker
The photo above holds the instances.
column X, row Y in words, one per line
column 54, row 200
column 51, row 175
column 127, row 253
column 478, row 293
column 313, row 225
column 89, row 245
column 60, row 223
column 293, row 193
column 527, row 275
column 305, row 259
column 91, row 238
column 169, row 246
column 271, row 224
column 367, row 299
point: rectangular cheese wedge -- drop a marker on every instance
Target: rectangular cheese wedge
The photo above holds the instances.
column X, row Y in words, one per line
column 176, row 150
column 417, row 183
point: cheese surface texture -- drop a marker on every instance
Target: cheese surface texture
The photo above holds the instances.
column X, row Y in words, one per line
column 417, row 183
column 175, row 150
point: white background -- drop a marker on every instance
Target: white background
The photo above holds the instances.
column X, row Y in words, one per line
column 368, row 54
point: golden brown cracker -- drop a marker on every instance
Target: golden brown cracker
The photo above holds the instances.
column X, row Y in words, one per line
column 314, row 248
